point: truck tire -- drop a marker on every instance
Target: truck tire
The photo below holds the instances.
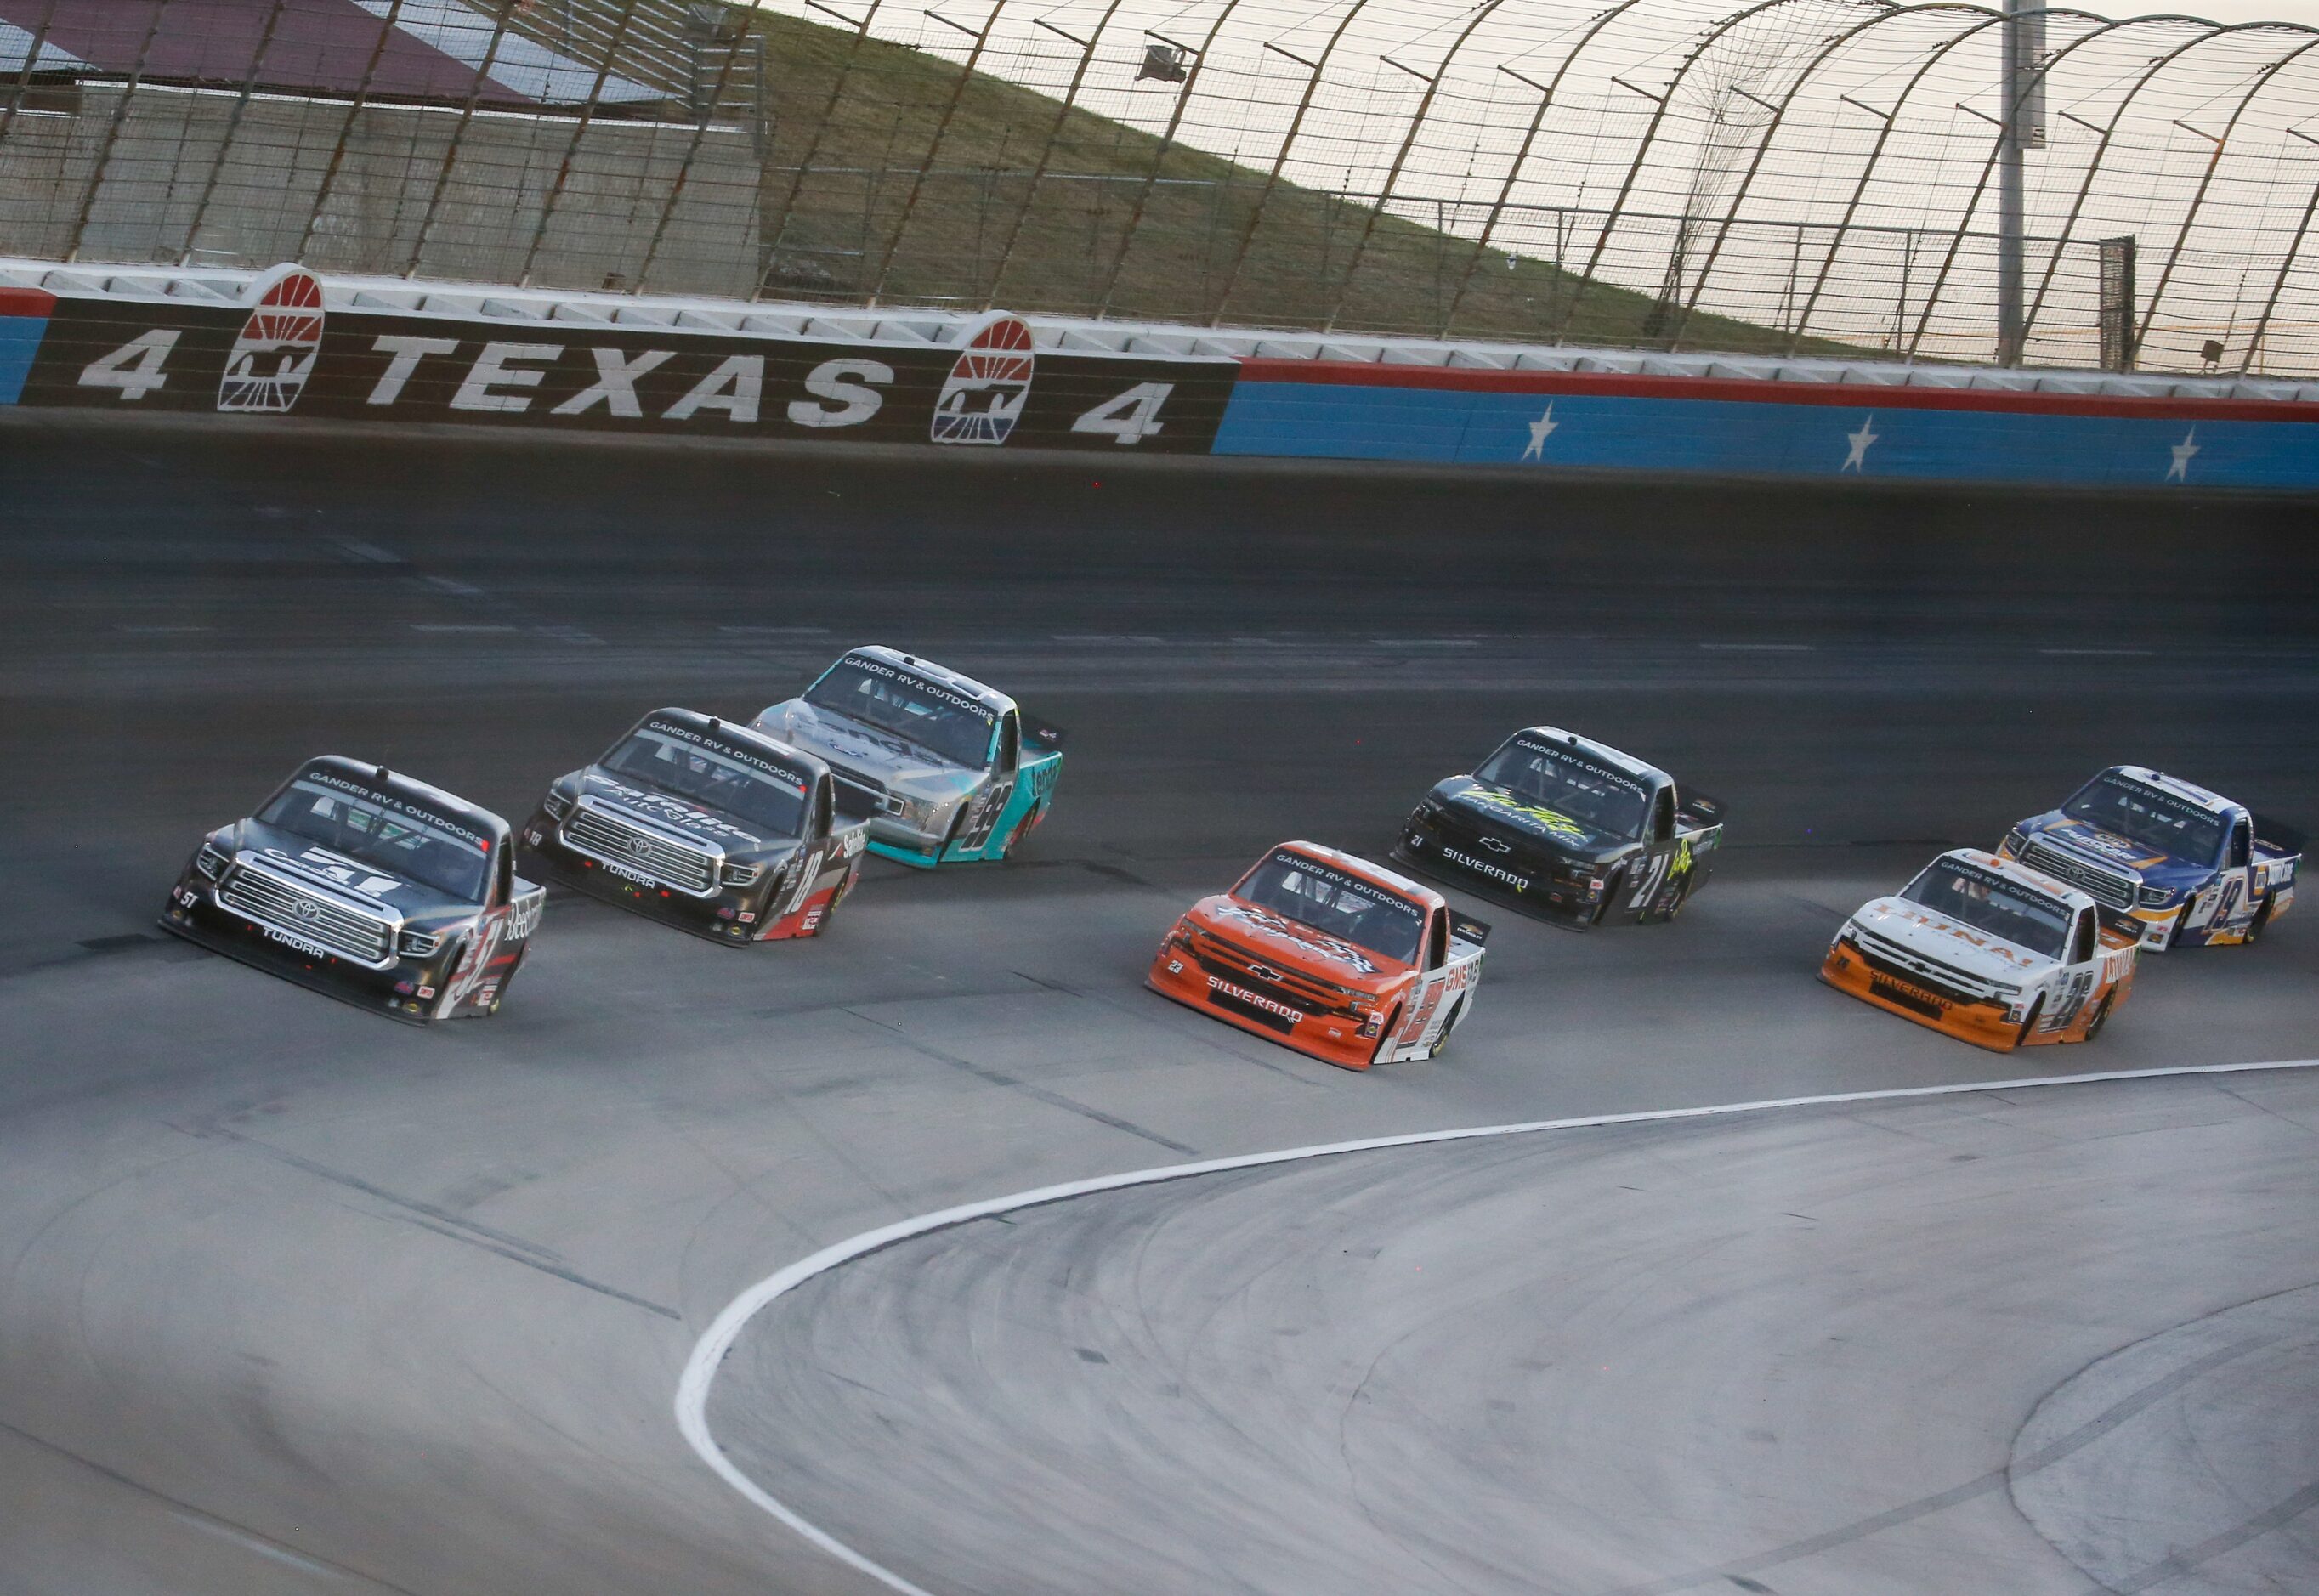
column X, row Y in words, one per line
column 2036, row 1010
column 1441, row 1043
column 2101, row 1016
column 1612, row 887
column 2255, row 926
column 1385, row 1037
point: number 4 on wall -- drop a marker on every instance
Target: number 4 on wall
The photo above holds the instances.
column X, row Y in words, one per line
column 135, row 368
column 1131, row 418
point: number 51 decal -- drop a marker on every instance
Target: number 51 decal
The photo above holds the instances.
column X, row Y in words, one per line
column 1132, row 417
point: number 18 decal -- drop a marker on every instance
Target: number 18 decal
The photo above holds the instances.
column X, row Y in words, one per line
column 1132, row 417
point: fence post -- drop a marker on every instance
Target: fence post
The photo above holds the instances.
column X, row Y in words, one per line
column 1393, row 174
column 933, row 149
column 770, row 227
column 1160, row 158
column 346, row 129
column 451, row 145
column 1280, row 157
column 2206, row 181
column 1522, row 156
column 2093, row 170
column 2287, row 263
column 232, row 127
column 693, row 151
column 1047, row 148
column 39, row 39
column 1868, row 174
column 113, row 133
column 586, row 120
column 1642, row 151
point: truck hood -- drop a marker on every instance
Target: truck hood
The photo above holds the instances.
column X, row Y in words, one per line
column 739, row 838
column 1943, row 941
column 1297, row 947
column 2155, row 866
column 849, row 745
column 1549, row 828
column 311, row 863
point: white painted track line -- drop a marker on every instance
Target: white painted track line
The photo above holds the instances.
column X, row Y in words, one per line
column 708, row 1352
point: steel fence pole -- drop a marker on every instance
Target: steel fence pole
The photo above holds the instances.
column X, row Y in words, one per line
column 232, row 127
column 2093, row 167
column 1482, row 14
column 1159, row 158
column 38, row 41
column 1522, row 156
column 113, row 133
column 586, row 120
column 1772, row 131
column 684, row 169
column 1280, row 157
column 2205, row 179
column 1047, row 148
column 2285, row 265
column 893, row 245
column 451, row 145
column 346, row 129
column 771, row 227
column 1868, row 171
column 1642, row 151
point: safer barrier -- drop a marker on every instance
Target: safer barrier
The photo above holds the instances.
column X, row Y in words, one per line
column 286, row 342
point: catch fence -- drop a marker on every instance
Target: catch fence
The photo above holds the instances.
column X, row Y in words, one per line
column 1797, row 176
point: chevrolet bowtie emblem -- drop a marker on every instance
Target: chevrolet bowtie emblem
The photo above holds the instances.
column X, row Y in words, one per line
column 1264, row 972
column 1497, row 844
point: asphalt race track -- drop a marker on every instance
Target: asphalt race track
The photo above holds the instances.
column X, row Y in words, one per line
column 296, row 1300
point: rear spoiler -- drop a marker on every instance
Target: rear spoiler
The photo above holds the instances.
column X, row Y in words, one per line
column 2270, row 833
column 1464, row 928
column 1046, row 734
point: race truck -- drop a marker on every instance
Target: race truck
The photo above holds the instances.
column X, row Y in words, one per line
column 1569, row 830
column 2170, row 862
column 1329, row 955
column 946, row 769
column 705, row 825
column 1988, row 951
column 369, row 886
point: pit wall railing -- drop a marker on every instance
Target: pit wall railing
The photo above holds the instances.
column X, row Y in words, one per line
column 283, row 346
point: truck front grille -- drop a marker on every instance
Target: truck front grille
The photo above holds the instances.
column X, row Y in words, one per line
column 613, row 840
column 2110, row 887
column 304, row 915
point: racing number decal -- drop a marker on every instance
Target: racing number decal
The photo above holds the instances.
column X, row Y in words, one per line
column 135, row 368
column 989, row 804
column 2072, row 997
column 1652, row 877
column 1129, row 418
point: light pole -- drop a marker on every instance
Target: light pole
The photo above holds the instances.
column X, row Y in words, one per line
column 2023, row 130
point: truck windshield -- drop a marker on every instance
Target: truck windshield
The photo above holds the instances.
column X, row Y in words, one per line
column 1989, row 902
column 773, row 802
column 947, row 725
column 1567, row 784
column 1329, row 900
column 2157, row 820
column 411, row 846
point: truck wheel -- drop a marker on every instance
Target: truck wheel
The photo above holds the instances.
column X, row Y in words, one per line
column 2255, row 926
column 1385, row 1037
column 2174, row 932
column 2101, row 1016
column 1441, row 1043
column 2029, row 1024
column 1615, row 886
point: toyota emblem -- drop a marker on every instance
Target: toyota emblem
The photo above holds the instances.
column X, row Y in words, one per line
column 1264, row 972
column 640, row 846
column 306, row 908
column 1497, row 844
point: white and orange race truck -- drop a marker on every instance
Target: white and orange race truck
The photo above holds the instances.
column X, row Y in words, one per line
column 1987, row 950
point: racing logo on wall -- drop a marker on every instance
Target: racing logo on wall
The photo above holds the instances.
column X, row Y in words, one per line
column 989, row 383
column 274, row 353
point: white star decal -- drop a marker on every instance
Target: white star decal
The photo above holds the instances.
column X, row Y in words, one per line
column 1857, row 459
column 2179, row 472
column 1539, row 431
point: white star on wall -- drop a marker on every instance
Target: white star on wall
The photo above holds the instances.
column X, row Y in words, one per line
column 1539, row 431
column 1857, row 459
column 2179, row 472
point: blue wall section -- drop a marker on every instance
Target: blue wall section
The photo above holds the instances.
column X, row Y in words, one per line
column 1642, row 434
column 20, row 337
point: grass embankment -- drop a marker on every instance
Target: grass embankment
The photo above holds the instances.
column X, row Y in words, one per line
column 862, row 116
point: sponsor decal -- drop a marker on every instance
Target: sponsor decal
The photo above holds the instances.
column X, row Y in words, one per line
column 297, row 944
column 1484, row 867
column 1569, row 756
column 798, row 780
column 274, row 353
column 433, row 816
column 1531, row 817
column 989, row 384
column 1242, row 995
column 1304, row 936
column 660, row 805
column 918, row 683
